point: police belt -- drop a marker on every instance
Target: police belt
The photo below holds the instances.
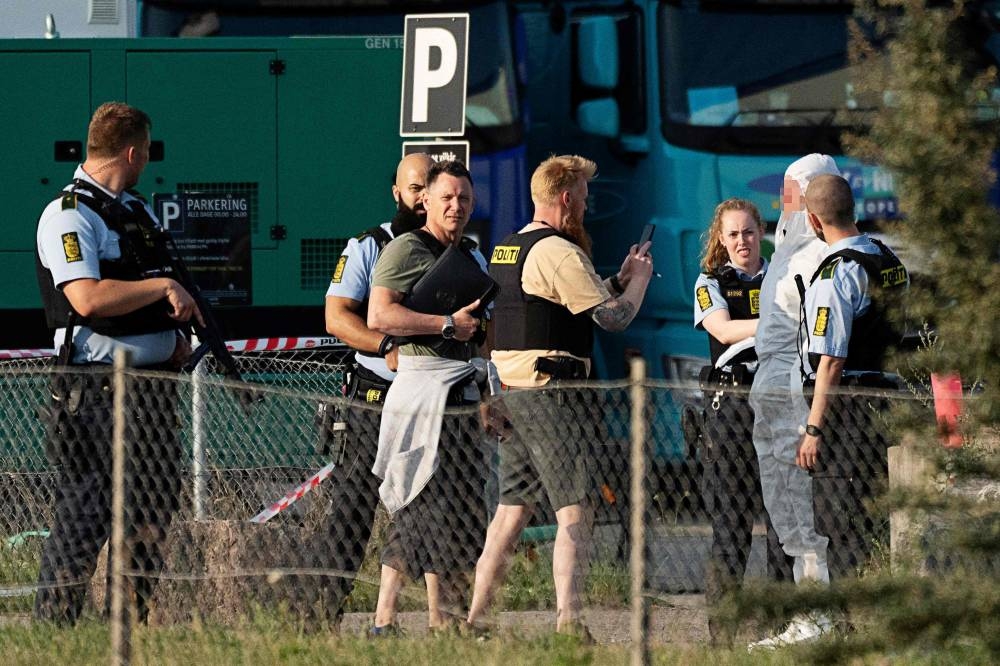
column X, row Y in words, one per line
column 561, row 367
column 712, row 379
column 861, row 379
column 367, row 386
column 371, row 388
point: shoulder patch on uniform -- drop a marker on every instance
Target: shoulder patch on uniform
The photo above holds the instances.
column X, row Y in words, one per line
column 827, row 271
column 338, row 271
column 822, row 320
column 69, row 201
column 71, row 247
column 505, row 254
column 704, row 298
column 895, row 276
column 755, row 301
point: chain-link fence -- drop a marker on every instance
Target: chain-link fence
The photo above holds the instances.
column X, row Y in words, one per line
column 260, row 495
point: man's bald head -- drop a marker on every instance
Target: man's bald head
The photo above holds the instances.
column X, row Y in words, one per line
column 411, row 178
column 412, row 167
column 830, row 199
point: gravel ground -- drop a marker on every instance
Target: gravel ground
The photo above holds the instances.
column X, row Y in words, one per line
column 676, row 619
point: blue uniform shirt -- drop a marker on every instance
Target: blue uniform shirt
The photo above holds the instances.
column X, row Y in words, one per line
column 352, row 279
column 837, row 297
column 708, row 297
column 71, row 244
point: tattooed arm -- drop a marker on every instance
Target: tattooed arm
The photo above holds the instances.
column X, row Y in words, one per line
column 616, row 313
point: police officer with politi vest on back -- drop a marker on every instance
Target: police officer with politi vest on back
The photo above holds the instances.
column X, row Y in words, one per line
column 846, row 335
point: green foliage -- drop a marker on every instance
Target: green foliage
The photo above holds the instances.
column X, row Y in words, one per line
column 939, row 601
column 936, row 139
column 880, row 615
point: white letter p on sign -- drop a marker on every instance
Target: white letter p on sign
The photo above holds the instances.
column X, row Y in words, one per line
column 171, row 214
column 425, row 78
column 435, row 69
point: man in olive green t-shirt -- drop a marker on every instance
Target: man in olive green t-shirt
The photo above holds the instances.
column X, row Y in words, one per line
column 439, row 529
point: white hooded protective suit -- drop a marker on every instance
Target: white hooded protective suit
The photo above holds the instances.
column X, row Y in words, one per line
column 776, row 396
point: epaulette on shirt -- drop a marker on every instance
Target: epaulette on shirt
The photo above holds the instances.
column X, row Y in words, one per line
column 827, row 271
column 381, row 236
column 69, row 201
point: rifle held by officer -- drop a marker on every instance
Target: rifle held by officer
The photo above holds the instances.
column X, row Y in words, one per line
column 209, row 336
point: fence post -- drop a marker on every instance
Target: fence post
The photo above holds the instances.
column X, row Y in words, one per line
column 640, row 610
column 121, row 643
column 198, row 473
column 908, row 468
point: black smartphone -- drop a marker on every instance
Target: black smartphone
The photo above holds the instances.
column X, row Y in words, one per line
column 647, row 233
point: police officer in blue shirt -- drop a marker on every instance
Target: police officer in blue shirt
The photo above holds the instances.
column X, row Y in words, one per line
column 105, row 287
column 727, row 307
column 847, row 334
column 354, row 439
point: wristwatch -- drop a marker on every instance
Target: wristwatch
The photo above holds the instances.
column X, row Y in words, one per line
column 448, row 330
column 813, row 431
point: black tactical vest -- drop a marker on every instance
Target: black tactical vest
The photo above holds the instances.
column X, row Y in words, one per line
column 872, row 334
column 143, row 255
column 743, row 300
column 381, row 238
column 531, row 322
column 437, row 248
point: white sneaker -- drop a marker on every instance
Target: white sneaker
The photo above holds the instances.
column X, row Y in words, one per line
column 802, row 629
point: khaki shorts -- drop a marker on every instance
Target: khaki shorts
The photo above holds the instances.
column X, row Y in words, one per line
column 551, row 449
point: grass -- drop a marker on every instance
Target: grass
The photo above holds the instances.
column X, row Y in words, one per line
column 528, row 586
column 268, row 640
column 19, row 566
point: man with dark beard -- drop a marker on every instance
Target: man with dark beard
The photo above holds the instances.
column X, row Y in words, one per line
column 353, row 440
column 550, row 298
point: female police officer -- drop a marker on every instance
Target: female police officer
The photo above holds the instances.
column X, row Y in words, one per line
column 727, row 304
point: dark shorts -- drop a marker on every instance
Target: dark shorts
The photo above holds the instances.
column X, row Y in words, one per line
column 443, row 529
column 550, row 451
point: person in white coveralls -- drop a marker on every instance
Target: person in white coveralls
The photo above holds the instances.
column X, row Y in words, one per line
column 776, row 396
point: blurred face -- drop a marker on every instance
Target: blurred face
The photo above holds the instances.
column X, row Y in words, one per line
column 791, row 197
column 741, row 237
column 448, row 202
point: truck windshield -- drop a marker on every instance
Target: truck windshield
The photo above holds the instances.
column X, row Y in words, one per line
column 741, row 77
column 493, row 120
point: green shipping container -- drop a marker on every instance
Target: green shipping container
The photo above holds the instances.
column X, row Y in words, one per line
column 269, row 153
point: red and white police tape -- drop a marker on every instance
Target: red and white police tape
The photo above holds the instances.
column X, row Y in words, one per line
column 239, row 346
column 10, row 354
column 294, row 495
column 281, row 344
